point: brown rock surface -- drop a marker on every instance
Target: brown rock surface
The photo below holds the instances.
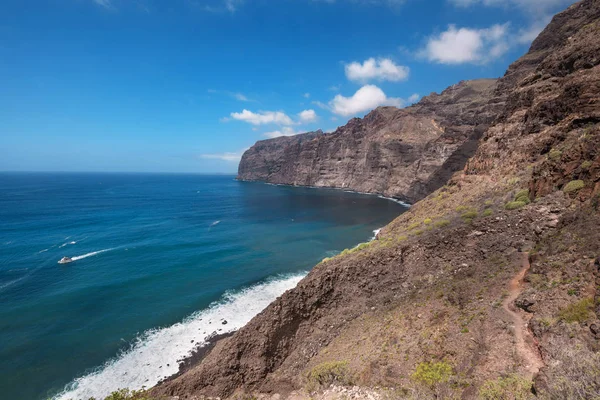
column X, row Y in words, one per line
column 433, row 286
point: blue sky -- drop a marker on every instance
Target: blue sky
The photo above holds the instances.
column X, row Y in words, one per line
column 187, row 85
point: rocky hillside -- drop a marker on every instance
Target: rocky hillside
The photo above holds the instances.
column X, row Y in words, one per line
column 485, row 289
column 402, row 153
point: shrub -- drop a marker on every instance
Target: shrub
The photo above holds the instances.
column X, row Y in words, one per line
column 577, row 312
column 126, row 394
column 441, row 223
column 511, row 387
column 413, row 226
column 402, row 238
column 523, row 195
column 461, row 208
column 328, row 373
column 513, row 205
column 468, row 216
column 554, row 154
column 431, row 374
column 427, row 221
column 487, row 212
column 586, row 164
column 573, row 186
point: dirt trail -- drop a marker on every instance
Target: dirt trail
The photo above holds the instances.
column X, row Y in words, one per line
column 524, row 340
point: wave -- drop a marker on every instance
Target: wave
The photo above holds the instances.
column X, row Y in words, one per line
column 154, row 355
column 64, row 244
column 93, row 253
column 215, row 223
column 375, row 233
column 395, row 201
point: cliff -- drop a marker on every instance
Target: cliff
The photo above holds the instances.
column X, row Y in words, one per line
column 486, row 288
column 403, row 153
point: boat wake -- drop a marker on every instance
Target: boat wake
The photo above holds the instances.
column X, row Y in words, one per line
column 93, row 253
column 155, row 354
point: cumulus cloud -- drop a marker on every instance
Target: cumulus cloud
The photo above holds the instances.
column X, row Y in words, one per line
column 382, row 69
column 285, row 131
column 466, row 45
column 261, row 118
column 307, row 116
column 366, row 98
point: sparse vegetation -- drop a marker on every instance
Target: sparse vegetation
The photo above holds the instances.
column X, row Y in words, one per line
column 328, row 373
column 487, row 212
column 577, row 312
column 573, row 186
column 469, row 216
column 511, row 387
column 575, row 375
column 523, row 195
column 586, row 165
column 441, row 223
column 514, row 205
column 126, row 394
column 427, row 221
column 554, row 154
column 431, row 374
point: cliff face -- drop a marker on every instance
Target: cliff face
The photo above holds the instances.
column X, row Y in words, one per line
column 402, row 153
column 494, row 277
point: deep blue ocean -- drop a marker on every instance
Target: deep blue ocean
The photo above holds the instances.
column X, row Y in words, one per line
column 162, row 261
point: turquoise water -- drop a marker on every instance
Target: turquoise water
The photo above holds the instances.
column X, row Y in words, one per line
column 162, row 261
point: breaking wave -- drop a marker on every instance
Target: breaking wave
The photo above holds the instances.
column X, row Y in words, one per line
column 154, row 355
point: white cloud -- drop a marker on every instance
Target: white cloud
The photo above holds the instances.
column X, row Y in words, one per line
column 240, row 97
column 264, row 117
column 413, row 98
column 366, row 98
column 307, row 95
column 321, row 105
column 285, row 131
column 539, row 6
column 104, row 3
column 334, row 88
column 382, row 69
column 231, row 157
column 466, row 45
column 307, row 116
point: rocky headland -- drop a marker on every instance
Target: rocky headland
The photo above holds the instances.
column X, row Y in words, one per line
column 487, row 288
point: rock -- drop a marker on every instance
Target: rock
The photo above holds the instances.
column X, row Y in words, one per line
column 224, row 322
column 404, row 153
column 594, row 329
column 525, row 301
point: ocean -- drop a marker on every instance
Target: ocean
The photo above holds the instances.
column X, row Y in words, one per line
column 162, row 261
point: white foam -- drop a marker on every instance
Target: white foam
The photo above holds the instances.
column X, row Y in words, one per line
column 215, row 223
column 93, row 253
column 395, row 201
column 375, row 233
column 145, row 364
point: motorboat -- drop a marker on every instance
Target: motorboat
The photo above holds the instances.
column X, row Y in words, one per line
column 65, row 260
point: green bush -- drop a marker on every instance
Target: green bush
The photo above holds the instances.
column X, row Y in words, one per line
column 523, row 195
column 441, row 223
column 577, row 312
column 468, row 216
column 511, row 387
column 513, row 205
column 431, row 374
column 126, row 394
column 328, row 373
column 427, row 221
column 586, row 164
column 554, row 154
column 573, row 186
column 414, row 225
column 487, row 212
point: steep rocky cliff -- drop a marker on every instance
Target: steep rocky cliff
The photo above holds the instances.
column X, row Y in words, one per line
column 403, row 153
column 487, row 288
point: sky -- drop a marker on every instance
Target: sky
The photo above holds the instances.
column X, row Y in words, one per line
column 188, row 85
